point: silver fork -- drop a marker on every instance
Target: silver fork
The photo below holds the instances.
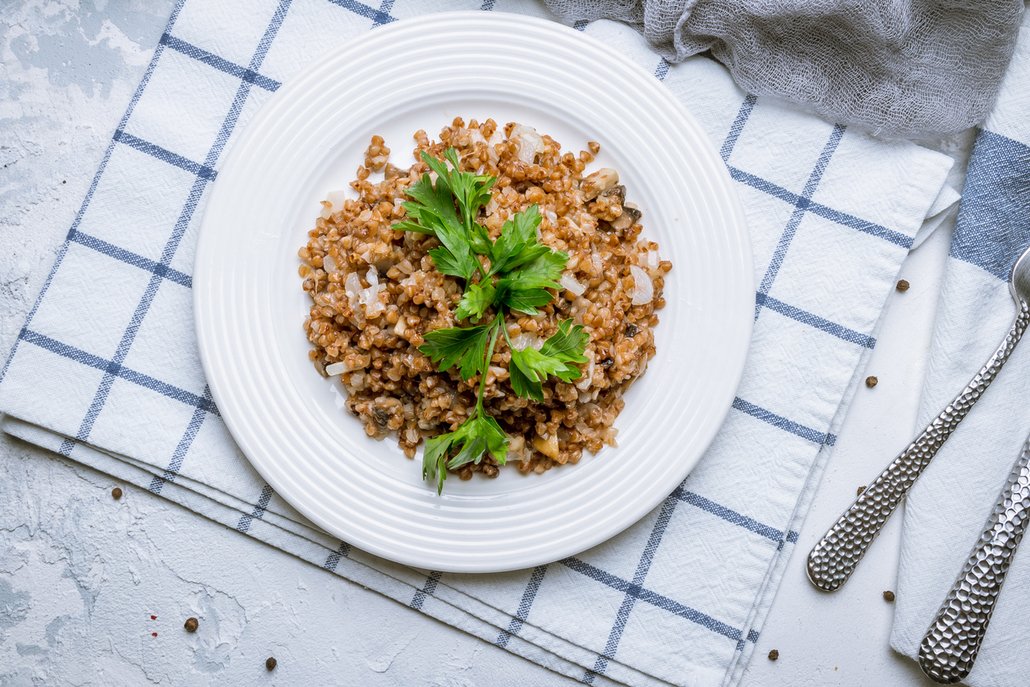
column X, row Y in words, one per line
column 835, row 557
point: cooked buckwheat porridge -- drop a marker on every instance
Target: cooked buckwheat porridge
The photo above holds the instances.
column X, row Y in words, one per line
column 376, row 292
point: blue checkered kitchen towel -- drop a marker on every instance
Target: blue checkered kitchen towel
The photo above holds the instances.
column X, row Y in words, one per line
column 948, row 507
column 105, row 370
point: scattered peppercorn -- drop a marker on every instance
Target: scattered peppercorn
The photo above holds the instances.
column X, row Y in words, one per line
column 153, row 634
column 270, row 664
column 888, row 596
column 858, row 492
column 774, row 654
column 116, row 493
column 871, row 381
column 903, row 285
column 191, row 624
column 631, row 330
column 153, row 617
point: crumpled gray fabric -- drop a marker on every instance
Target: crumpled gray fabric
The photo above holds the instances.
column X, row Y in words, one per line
column 902, row 68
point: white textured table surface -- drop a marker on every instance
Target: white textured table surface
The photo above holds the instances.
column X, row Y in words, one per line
column 95, row 591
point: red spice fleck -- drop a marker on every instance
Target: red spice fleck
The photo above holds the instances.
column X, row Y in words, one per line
column 153, row 634
column 153, row 617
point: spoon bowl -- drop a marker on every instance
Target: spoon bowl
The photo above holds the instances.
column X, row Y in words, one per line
column 1019, row 279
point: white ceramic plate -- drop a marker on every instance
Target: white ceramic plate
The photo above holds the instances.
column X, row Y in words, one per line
column 309, row 139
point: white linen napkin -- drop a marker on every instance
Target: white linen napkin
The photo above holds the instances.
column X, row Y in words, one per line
column 949, row 506
column 105, row 370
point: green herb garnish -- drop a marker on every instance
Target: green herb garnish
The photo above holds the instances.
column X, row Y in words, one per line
column 514, row 273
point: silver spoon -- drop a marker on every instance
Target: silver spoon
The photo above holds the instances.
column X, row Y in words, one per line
column 835, row 557
column 950, row 646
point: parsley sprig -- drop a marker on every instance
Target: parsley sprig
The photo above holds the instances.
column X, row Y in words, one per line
column 514, row 273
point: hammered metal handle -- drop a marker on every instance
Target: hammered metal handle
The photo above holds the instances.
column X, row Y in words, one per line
column 950, row 646
column 835, row 557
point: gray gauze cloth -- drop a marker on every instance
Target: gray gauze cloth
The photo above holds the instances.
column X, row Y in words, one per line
column 895, row 67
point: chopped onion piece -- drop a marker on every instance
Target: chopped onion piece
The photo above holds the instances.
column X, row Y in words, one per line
column 336, row 369
column 526, row 340
column 530, row 142
column 587, row 377
column 337, row 199
column 569, row 283
column 588, row 396
column 370, row 297
column 496, row 137
column 352, row 285
column 651, row 260
column 643, row 288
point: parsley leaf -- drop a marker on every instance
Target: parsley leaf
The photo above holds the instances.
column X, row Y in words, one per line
column 431, row 211
column 567, row 345
column 518, row 243
column 526, row 288
column 479, row 239
column 519, row 298
column 454, row 265
column 434, row 459
column 521, row 383
column 529, row 369
column 471, row 191
column 475, row 301
column 462, row 346
column 557, row 357
column 543, row 272
column 477, row 436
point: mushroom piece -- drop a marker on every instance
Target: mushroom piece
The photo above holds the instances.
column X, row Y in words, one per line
column 599, row 182
column 630, row 214
column 617, row 191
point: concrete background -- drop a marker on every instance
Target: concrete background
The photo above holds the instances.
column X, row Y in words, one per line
column 95, row 591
